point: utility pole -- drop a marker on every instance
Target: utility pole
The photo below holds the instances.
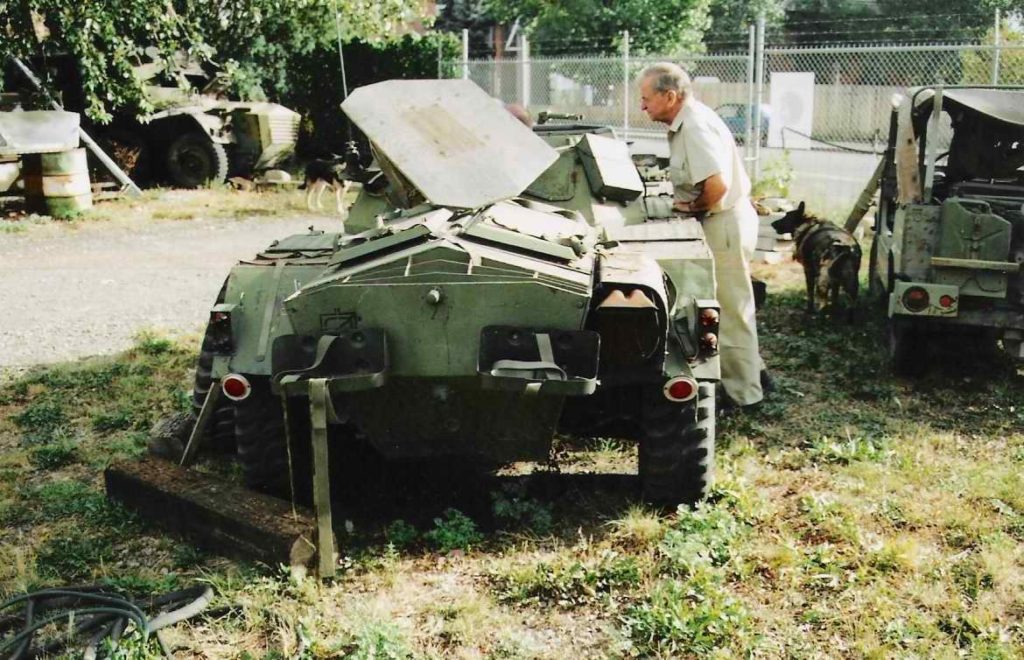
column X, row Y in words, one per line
column 626, row 82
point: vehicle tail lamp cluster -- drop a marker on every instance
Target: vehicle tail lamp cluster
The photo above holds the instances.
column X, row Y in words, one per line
column 707, row 329
column 916, row 299
column 219, row 332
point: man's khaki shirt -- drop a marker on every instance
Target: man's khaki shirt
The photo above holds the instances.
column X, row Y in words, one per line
column 701, row 145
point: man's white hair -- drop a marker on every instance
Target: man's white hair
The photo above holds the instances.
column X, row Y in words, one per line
column 667, row 76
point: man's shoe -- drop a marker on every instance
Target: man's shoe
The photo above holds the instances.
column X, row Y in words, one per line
column 767, row 382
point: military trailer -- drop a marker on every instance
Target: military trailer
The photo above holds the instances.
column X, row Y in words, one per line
column 949, row 231
column 491, row 286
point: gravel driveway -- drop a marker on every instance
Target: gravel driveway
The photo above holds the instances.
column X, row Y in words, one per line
column 73, row 291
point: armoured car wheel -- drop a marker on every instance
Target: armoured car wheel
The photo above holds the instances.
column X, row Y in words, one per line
column 908, row 348
column 677, row 448
column 221, row 433
column 263, row 448
column 194, row 160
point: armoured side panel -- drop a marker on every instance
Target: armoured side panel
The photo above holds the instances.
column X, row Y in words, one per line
column 970, row 231
column 915, row 238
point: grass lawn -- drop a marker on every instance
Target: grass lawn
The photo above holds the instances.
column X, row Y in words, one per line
column 855, row 515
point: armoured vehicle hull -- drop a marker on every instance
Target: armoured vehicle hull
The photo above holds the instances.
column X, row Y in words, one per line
column 949, row 232
column 532, row 299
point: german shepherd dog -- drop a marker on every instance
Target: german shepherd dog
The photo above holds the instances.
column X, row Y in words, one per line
column 830, row 256
column 322, row 174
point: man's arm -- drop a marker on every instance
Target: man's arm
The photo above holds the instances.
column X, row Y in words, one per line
column 712, row 190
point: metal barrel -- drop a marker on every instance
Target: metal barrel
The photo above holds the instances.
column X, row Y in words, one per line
column 57, row 184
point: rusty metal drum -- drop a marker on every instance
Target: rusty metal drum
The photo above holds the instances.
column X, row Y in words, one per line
column 57, row 184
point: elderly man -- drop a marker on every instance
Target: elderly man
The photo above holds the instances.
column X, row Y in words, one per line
column 709, row 180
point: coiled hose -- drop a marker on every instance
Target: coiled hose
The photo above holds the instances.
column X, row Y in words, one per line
column 89, row 616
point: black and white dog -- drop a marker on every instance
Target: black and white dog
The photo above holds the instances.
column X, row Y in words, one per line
column 322, row 174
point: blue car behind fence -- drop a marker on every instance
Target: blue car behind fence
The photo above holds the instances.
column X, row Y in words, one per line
column 735, row 117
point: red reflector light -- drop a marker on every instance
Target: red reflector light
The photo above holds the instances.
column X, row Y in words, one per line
column 681, row 388
column 709, row 341
column 915, row 299
column 946, row 301
column 235, row 387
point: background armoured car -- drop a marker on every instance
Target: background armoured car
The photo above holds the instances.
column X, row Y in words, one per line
column 949, row 239
column 195, row 135
column 492, row 285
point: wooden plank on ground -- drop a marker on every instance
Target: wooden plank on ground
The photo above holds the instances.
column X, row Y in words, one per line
column 223, row 518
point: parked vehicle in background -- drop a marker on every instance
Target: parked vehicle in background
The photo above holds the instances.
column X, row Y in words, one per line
column 735, row 116
column 949, row 231
column 194, row 136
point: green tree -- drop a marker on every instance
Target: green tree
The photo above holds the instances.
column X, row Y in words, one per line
column 255, row 40
column 977, row 65
column 596, row 26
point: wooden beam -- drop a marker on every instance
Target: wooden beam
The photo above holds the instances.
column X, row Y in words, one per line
column 217, row 516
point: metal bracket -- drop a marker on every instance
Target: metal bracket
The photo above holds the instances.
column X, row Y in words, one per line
column 199, row 430
column 319, row 411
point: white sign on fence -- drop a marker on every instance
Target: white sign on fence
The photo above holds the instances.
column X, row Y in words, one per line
column 792, row 110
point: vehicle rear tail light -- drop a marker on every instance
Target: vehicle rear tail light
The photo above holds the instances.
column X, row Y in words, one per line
column 219, row 331
column 709, row 317
column 946, row 301
column 236, row 387
column 916, row 299
column 709, row 342
column 680, row 389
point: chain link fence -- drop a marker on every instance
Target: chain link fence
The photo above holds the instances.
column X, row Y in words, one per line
column 830, row 159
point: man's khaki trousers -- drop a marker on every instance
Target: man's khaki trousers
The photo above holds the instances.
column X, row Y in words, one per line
column 732, row 236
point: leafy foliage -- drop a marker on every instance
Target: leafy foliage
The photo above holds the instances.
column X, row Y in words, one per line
column 655, row 26
column 455, row 531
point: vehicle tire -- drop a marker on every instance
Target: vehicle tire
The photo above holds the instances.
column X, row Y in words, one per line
column 220, row 435
column 263, row 448
column 908, row 348
column 677, row 447
column 193, row 160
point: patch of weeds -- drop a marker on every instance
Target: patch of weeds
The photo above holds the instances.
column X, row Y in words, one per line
column 72, row 558
column 827, row 519
column 569, row 584
column 685, row 619
column 61, row 499
column 149, row 343
column 49, row 457
column 849, row 450
column 455, row 531
column 971, row 577
column 401, row 534
column 138, row 585
column 517, row 512
column 41, row 421
column 639, row 528
column 701, row 537
column 185, row 556
column 115, row 420
column 376, row 640
column 13, row 513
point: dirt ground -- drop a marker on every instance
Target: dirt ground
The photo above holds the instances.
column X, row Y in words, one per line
column 74, row 290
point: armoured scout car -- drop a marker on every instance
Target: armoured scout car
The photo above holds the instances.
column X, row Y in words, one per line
column 492, row 285
column 949, row 232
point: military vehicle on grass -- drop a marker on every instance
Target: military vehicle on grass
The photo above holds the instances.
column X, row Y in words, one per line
column 949, row 231
column 492, row 285
column 195, row 135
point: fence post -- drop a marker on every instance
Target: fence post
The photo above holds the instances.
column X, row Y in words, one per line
column 465, row 54
column 440, row 58
column 996, row 51
column 759, row 81
column 625, row 82
column 524, row 71
column 748, row 120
